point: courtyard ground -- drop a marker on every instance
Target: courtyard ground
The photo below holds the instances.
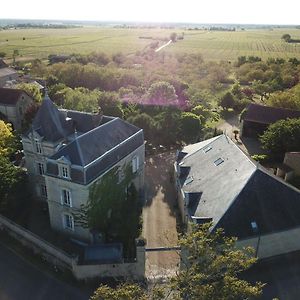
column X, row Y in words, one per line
column 159, row 215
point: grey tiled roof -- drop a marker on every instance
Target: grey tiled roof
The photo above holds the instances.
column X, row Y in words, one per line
column 93, row 142
column 89, row 146
column 50, row 123
column 237, row 191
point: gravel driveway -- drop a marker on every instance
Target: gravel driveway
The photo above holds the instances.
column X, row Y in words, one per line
column 159, row 215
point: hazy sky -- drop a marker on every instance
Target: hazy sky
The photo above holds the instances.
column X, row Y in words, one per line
column 198, row 11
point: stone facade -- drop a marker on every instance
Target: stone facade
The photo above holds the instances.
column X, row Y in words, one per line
column 14, row 112
column 79, row 194
column 63, row 166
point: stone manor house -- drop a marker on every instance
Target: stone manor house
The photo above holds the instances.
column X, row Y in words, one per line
column 66, row 152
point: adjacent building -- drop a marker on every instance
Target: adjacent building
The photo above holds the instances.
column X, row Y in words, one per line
column 6, row 73
column 66, row 152
column 257, row 118
column 13, row 106
column 218, row 183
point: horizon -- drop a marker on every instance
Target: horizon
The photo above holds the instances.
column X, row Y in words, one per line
column 255, row 12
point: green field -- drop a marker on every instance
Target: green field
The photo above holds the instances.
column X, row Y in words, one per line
column 39, row 43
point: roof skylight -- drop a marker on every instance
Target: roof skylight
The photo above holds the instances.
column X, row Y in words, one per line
column 206, row 149
column 218, row 161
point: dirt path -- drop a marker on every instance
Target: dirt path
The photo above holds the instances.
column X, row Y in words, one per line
column 163, row 46
column 159, row 226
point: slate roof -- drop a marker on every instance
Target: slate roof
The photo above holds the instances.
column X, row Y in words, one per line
column 268, row 115
column 10, row 96
column 49, row 123
column 91, row 142
column 3, row 64
column 237, row 191
column 7, row 72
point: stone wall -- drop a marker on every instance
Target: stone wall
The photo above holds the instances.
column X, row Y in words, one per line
column 61, row 259
column 274, row 244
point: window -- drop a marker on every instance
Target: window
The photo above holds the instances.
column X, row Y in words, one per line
column 40, row 168
column 218, row 161
column 68, row 221
column 66, row 197
column 135, row 164
column 44, row 191
column 206, row 149
column 64, row 171
column 38, row 147
column 120, row 174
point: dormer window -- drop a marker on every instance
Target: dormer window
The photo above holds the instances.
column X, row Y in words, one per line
column 38, row 147
column 64, row 171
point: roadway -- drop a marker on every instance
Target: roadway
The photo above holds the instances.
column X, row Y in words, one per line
column 20, row 280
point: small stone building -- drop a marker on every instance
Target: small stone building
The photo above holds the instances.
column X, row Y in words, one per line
column 13, row 105
column 6, row 73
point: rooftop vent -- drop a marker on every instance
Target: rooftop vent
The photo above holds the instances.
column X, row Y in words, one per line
column 218, row 161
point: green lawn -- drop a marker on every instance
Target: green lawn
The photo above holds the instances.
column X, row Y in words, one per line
column 212, row 45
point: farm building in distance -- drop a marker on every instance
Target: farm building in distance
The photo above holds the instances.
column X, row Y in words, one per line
column 257, row 118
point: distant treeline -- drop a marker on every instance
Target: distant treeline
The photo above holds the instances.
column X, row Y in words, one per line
column 43, row 26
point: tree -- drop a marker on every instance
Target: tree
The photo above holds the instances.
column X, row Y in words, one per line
column 6, row 139
column 282, row 136
column 145, row 122
column 161, row 93
column 15, row 54
column 32, row 90
column 173, row 37
column 2, row 54
column 110, row 104
column 286, row 37
column 13, row 188
column 227, row 101
column 212, row 265
column 211, row 269
column 190, row 127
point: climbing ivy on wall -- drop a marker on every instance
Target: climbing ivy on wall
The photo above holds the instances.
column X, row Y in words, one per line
column 113, row 209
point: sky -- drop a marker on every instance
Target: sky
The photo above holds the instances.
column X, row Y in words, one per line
column 190, row 11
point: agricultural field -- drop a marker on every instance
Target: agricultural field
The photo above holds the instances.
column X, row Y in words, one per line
column 215, row 45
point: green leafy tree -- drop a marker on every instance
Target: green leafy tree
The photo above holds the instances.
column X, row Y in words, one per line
column 81, row 99
column 211, row 269
column 6, row 139
column 286, row 37
column 173, row 36
column 15, row 54
column 110, row 104
column 190, row 127
column 227, row 101
column 161, row 93
column 13, row 188
column 2, row 54
column 145, row 122
column 282, row 136
column 212, row 266
column 113, row 209
column 32, row 90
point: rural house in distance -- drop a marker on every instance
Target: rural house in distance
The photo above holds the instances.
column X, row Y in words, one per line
column 13, row 106
column 66, row 152
column 218, row 182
